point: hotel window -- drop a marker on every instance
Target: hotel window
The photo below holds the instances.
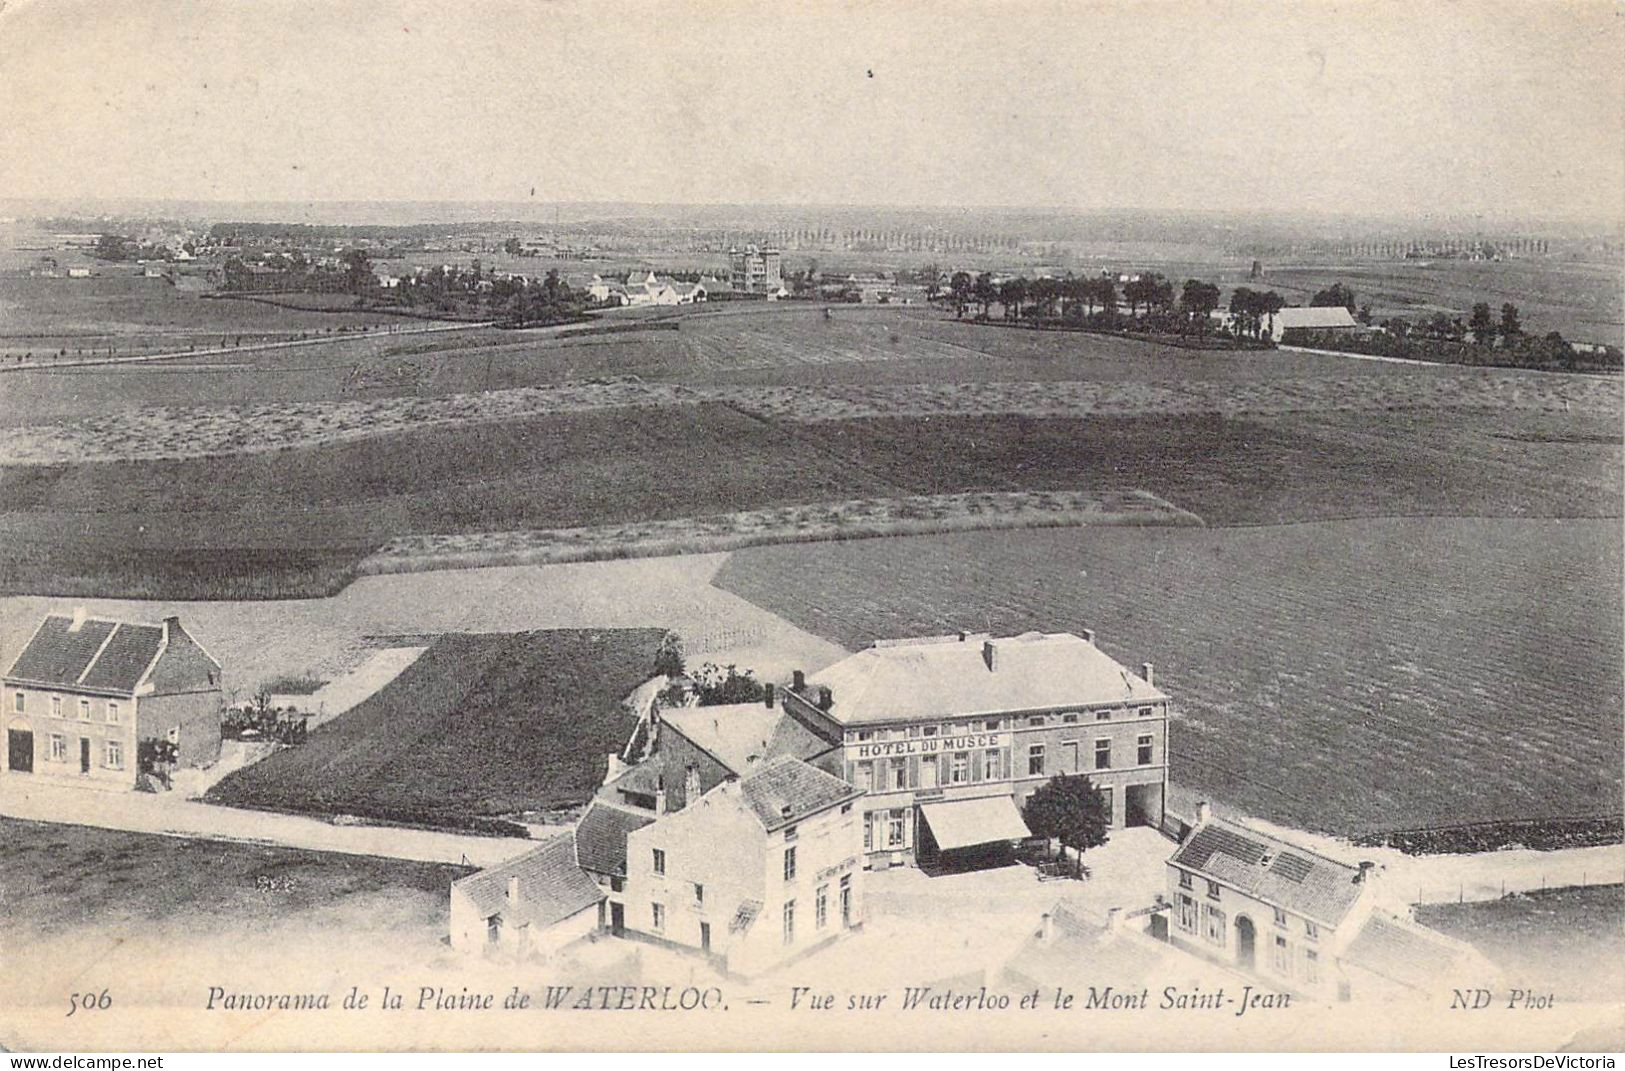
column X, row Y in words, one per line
column 1103, row 754
column 657, row 917
column 1103, row 715
column 866, row 775
column 112, row 712
column 115, row 755
column 865, row 735
column 896, row 829
column 821, row 907
column 959, row 768
column 659, row 861
column 928, row 771
column 1106, row 799
column 869, row 820
column 17, row 702
column 1280, row 958
column 59, row 747
column 1311, row 966
column 899, row 773
column 846, row 808
column 1311, row 931
column 1215, row 925
column 846, row 899
column 1035, row 760
column 84, row 710
column 56, row 706
column 1145, row 712
column 1036, row 720
column 1184, row 879
column 992, row 725
column 1212, row 890
column 1280, row 919
column 1069, row 719
column 930, row 730
column 699, row 895
column 1144, row 750
column 789, row 834
column 789, row 922
column 789, row 864
column 992, row 765
column 1187, row 914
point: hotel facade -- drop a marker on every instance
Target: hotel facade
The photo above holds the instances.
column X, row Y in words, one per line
column 949, row 736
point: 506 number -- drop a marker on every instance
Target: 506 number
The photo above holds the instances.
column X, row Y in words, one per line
column 88, row 1002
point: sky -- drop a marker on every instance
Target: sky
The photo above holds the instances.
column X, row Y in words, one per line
column 1395, row 109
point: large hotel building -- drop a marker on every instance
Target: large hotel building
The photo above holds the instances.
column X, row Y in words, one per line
column 948, row 736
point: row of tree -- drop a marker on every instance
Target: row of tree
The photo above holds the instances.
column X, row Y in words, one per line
column 1152, row 301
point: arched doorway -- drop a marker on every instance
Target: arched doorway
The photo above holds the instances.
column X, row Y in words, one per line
column 1245, row 953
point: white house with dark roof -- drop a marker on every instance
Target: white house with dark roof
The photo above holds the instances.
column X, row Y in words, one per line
column 1298, row 919
column 84, row 693
column 949, row 735
column 533, row 904
column 759, row 871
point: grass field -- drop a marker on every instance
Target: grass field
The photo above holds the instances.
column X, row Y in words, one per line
column 58, row 879
column 479, row 725
column 1345, row 677
column 1566, row 941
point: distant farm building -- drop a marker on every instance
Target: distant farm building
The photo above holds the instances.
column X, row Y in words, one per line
column 1311, row 318
column 534, row 904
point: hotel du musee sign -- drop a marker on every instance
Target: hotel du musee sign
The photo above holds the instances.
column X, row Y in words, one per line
column 926, row 745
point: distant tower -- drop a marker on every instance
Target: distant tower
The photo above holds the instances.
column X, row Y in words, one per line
column 1257, row 272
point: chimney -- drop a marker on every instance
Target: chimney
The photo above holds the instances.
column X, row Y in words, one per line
column 660, row 801
column 1046, row 927
column 1088, row 635
column 513, row 891
column 826, row 698
column 963, row 635
column 1203, row 813
column 990, row 655
column 798, row 681
column 1149, row 672
column 1114, row 919
column 78, row 622
column 767, row 696
column 1367, row 872
column 786, row 811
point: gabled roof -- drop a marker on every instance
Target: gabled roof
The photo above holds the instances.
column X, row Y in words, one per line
column 952, row 676
column 552, row 887
column 1271, row 870
column 100, row 655
column 787, row 790
column 1314, row 316
column 1404, row 952
column 600, row 840
column 742, row 736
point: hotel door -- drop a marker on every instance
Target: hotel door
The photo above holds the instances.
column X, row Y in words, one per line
column 20, row 750
column 84, row 754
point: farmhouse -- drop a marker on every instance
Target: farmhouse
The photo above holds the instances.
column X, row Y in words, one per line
column 1297, row 919
column 1333, row 318
column 758, row 871
column 600, row 841
column 949, row 735
column 85, row 693
column 644, row 288
column 533, row 904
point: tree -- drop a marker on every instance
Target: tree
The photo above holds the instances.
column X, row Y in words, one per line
column 1333, row 296
column 512, row 247
column 358, row 277
column 1069, row 809
column 1482, row 324
column 669, row 656
column 959, row 287
column 1011, row 294
column 1510, row 327
column 985, row 292
column 1198, row 299
column 718, row 685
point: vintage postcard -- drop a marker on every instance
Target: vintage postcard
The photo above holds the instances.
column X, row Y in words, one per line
column 1086, row 525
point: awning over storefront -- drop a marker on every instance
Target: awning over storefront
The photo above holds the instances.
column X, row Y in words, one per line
column 962, row 823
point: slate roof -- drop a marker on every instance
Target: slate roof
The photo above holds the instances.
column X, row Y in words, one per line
column 552, row 887
column 1272, row 870
column 787, row 790
column 946, row 676
column 742, row 736
column 1403, row 952
column 59, row 656
column 600, row 839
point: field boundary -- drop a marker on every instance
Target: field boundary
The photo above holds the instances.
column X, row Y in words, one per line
column 870, row 518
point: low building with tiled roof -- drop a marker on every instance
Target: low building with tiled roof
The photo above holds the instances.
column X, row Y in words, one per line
column 601, row 838
column 950, row 735
column 754, row 873
column 1296, row 918
column 534, row 903
column 700, row 747
column 85, row 693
